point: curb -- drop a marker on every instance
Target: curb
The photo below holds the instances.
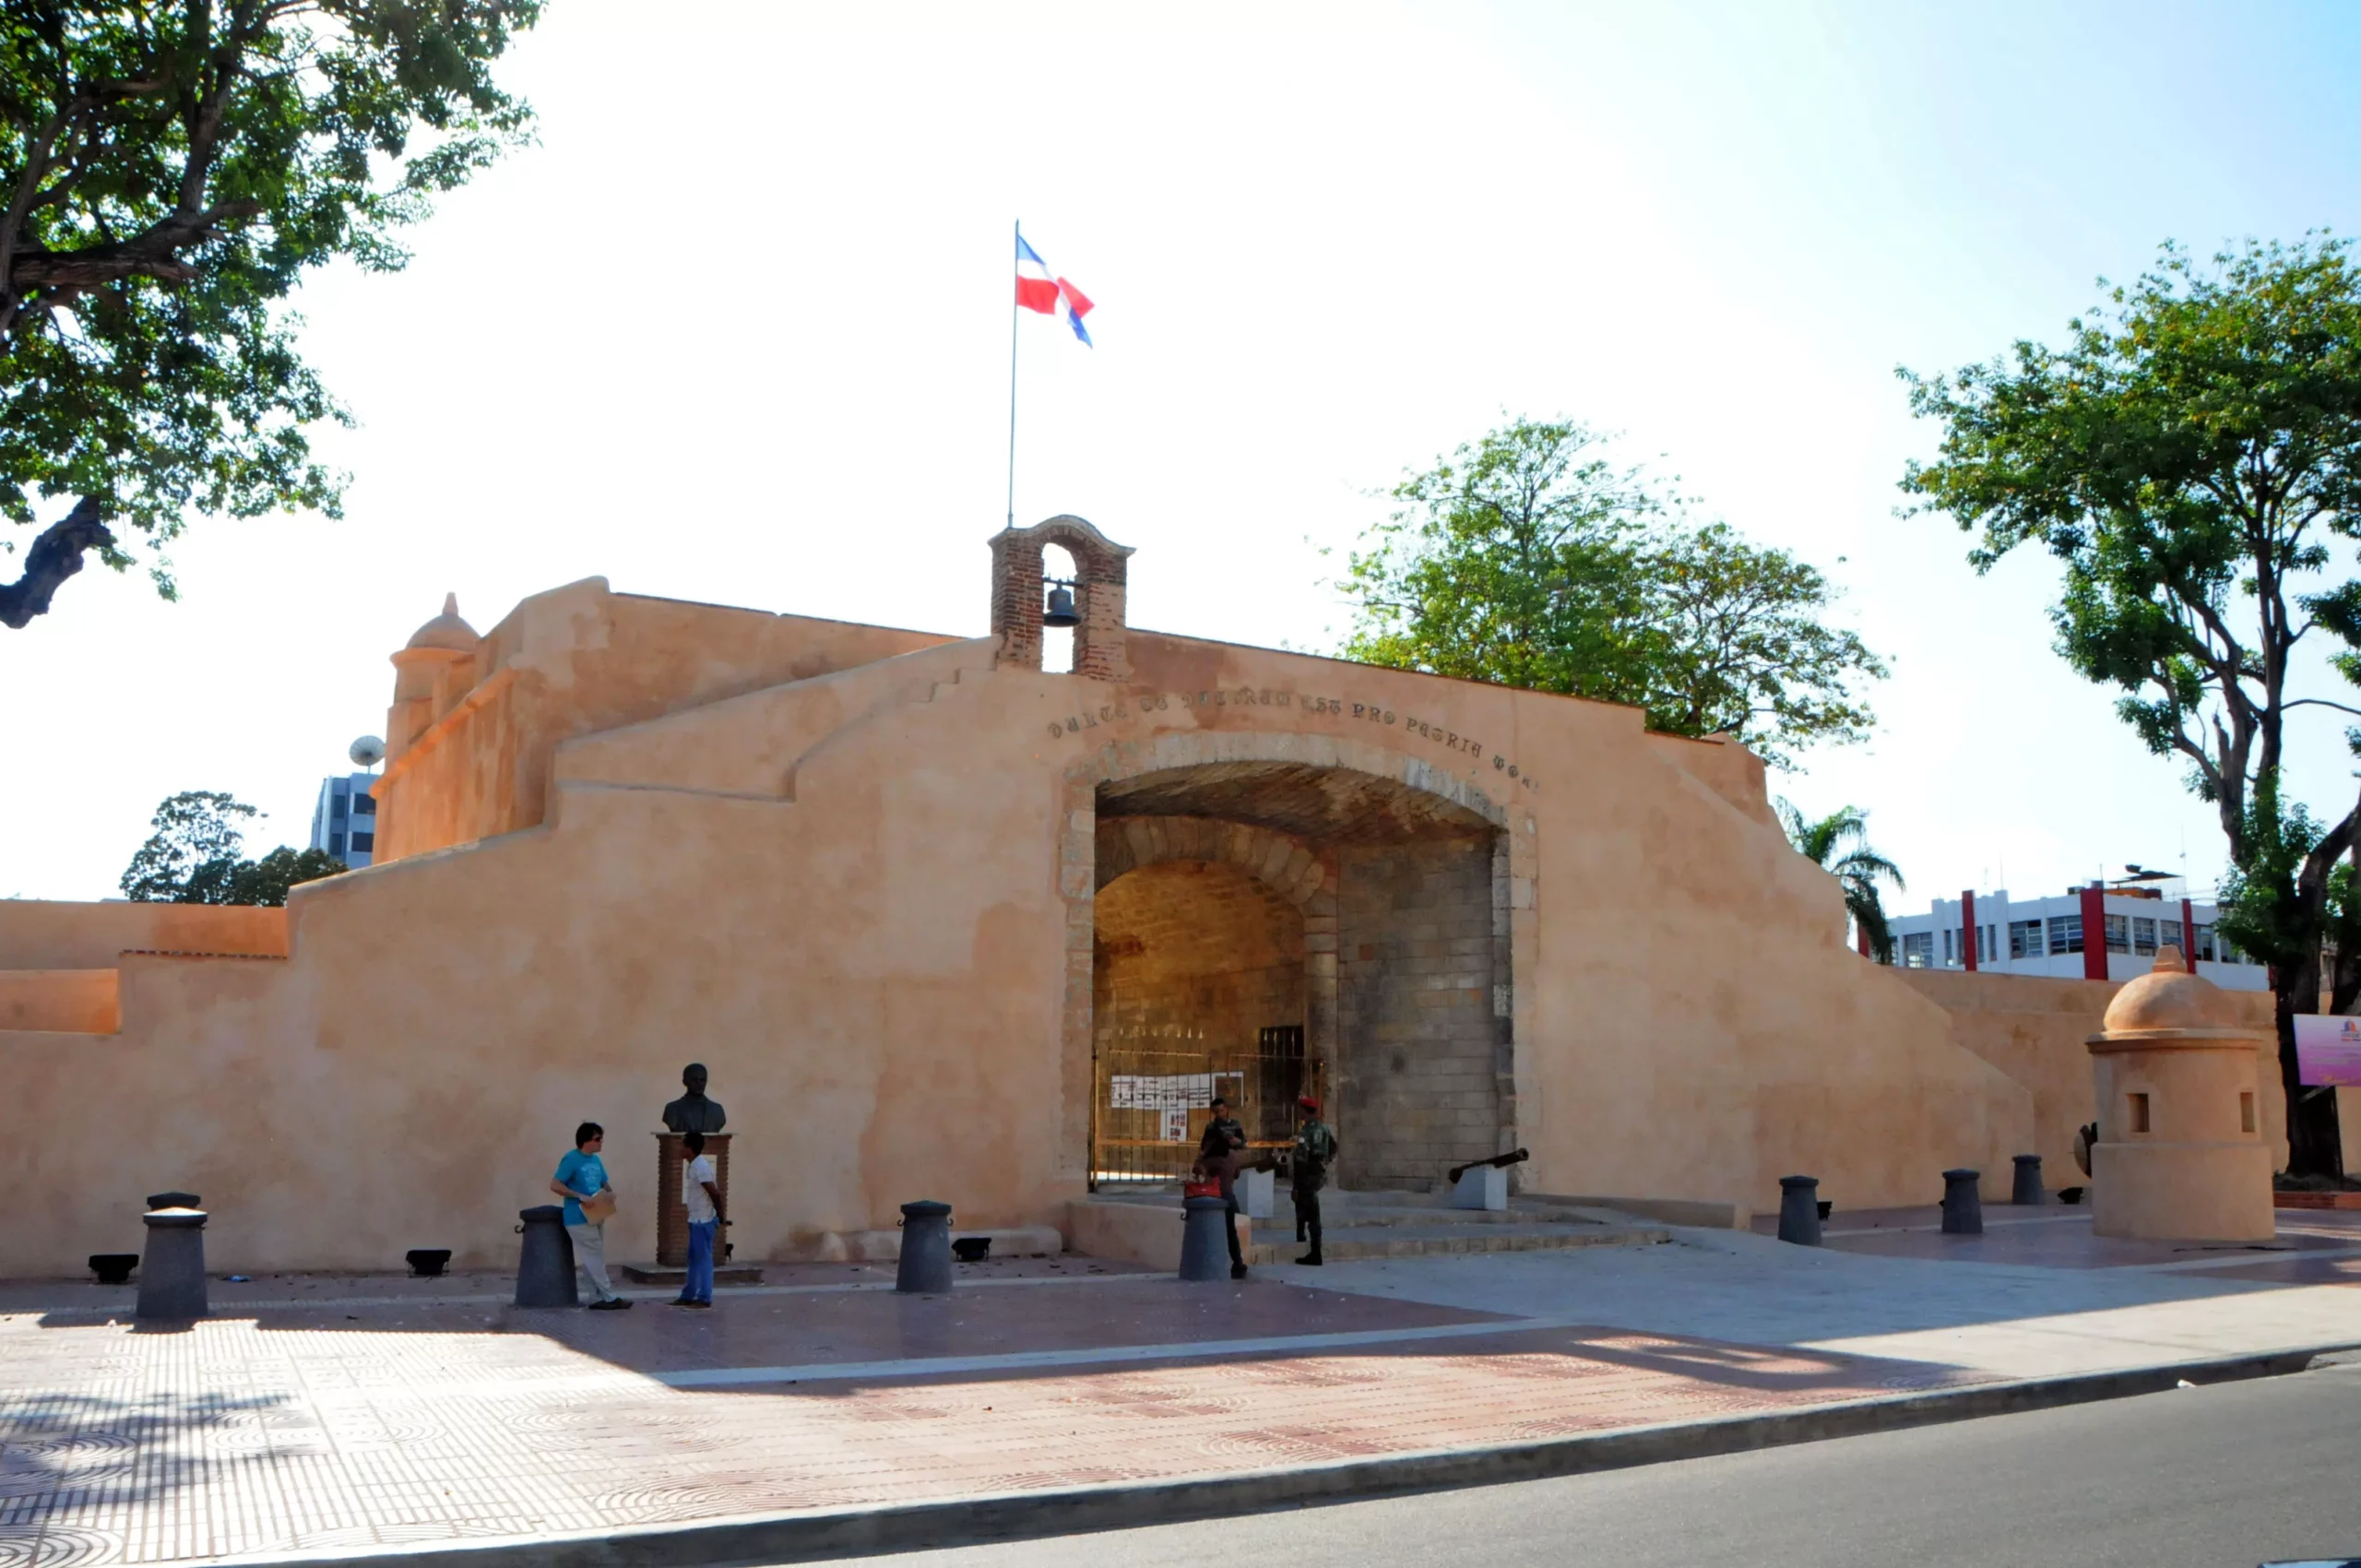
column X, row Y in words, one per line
column 809, row 1536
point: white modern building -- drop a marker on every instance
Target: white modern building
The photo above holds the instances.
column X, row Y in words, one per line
column 2052, row 936
column 345, row 822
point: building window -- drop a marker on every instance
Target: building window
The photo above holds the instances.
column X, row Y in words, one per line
column 364, row 842
column 1984, row 954
column 2025, row 940
column 2139, row 1112
column 2065, row 934
column 1948, row 954
column 2202, row 941
column 364, row 805
column 336, row 806
column 335, row 844
column 2118, row 934
column 1918, row 950
column 2143, row 935
column 2168, row 932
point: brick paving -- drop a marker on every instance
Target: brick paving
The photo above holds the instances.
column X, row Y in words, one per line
column 337, row 1424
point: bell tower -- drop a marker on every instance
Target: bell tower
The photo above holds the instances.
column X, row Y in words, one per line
column 1099, row 571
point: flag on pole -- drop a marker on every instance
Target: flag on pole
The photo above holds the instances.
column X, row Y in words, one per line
column 1041, row 289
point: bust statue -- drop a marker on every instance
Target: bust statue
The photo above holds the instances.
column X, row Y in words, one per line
column 693, row 1112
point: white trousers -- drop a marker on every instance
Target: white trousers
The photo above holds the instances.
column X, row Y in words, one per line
column 590, row 1252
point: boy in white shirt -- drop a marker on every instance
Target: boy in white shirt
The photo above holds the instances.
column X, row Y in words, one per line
column 701, row 1195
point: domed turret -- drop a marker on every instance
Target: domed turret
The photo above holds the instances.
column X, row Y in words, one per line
column 447, row 630
column 2177, row 1086
column 2169, row 997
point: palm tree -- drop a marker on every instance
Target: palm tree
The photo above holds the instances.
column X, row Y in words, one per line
column 1839, row 844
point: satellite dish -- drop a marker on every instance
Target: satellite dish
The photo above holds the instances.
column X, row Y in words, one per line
column 366, row 751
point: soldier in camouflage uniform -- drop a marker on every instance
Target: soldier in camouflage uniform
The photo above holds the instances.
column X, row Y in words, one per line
column 1315, row 1151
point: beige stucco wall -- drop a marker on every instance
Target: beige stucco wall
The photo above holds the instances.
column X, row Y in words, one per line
column 573, row 661
column 856, row 896
column 2035, row 1030
column 43, row 935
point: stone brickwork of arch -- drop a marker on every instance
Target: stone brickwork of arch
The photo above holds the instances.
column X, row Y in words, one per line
column 1515, row 934
column 1298, row 872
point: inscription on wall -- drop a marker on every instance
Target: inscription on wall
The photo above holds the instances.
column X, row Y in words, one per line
column 1345, row 713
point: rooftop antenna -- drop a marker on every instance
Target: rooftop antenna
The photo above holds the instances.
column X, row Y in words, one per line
column 366, row 753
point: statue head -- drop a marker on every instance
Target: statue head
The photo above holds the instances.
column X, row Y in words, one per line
column 692, row 1077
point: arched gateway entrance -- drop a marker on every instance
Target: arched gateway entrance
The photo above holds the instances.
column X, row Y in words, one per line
column 1261, row 926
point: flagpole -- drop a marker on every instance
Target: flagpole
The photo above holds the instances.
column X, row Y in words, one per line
column 1012, row 379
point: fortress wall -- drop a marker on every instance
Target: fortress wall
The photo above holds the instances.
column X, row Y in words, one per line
column 873, row 975
column 1703, row 1030
column 1729, row 770
column 877, row 974
column 2035, row 1030
column 581, row 660
column 749, row 744
column 39, row 934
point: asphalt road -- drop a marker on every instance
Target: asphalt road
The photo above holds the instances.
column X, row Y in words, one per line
column 2233, row 1474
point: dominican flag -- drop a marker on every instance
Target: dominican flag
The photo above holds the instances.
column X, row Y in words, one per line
column 1039, row 288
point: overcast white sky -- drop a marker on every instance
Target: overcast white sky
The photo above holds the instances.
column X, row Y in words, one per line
column 737, row 330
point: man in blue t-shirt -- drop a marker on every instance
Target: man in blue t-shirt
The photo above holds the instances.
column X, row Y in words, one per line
column 582, row 1175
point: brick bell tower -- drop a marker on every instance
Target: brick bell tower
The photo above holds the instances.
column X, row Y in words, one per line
column 1099, row 571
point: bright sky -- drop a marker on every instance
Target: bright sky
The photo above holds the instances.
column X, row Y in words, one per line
column 737, row 330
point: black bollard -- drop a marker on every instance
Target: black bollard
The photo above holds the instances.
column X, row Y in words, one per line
column 171, row 1271
column 1963, row 1208
column 2027, row 1187
column 1799, row 1210
column 926, row 1249
column 545, row 1262
column 1204, row 1246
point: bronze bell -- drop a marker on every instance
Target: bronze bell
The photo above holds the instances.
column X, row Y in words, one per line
column 1061, row 610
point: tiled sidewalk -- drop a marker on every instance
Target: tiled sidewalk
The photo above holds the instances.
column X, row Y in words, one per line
column 338, row 1425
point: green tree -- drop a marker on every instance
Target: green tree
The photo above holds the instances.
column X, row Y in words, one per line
column 194, row 857
column 1839, row 844
column 168, row 170
column 1529, row 559
column 2190, row 456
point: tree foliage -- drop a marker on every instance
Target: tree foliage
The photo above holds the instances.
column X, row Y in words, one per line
column 1839, row 844
column 194, row 857
column 169, row 169
column 2191, row 457
column 1529, row 559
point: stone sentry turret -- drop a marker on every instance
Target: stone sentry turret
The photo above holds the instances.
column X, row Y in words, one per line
column 1099, row 571
column 2176, row 1076
column 432, row 671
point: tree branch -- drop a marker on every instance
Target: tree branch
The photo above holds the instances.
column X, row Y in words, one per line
column 152, row 253
column 54, row 556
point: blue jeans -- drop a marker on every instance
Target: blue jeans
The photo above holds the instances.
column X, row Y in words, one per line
column 698, row 1286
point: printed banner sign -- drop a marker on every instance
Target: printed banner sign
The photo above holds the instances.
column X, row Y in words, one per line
column 2328, row 1050
column 1160, row 1091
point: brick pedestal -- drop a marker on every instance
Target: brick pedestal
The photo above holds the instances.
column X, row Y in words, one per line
column 671, row 1216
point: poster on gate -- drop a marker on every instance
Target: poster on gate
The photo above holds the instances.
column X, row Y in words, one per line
column 2328, row 1050
column 1160, row 1091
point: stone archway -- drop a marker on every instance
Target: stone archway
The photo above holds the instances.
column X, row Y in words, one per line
column 1278, row 804
column 1298, row 870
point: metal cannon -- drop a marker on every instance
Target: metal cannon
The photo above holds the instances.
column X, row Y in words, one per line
column 1514, row 1156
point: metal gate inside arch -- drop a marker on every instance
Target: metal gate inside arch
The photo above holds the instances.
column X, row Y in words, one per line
column 1152, row 1099
column 1262, row 929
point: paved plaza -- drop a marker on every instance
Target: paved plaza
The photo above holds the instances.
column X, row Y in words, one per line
column 315, row 1415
